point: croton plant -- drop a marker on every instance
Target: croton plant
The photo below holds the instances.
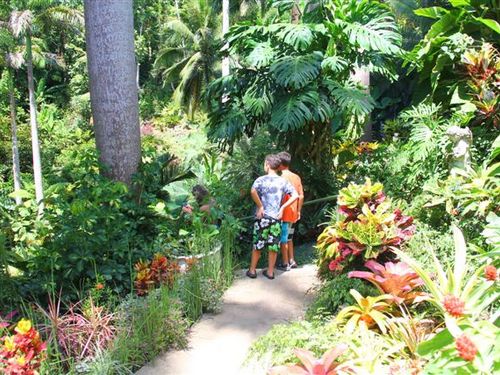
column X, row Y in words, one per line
column 22, row 351
column 151, row 275
column 368, row 226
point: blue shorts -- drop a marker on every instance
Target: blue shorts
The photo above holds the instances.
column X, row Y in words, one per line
column 284, row 232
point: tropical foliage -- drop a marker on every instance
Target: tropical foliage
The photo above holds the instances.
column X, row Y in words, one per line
column 295, row 78
column 367, row 228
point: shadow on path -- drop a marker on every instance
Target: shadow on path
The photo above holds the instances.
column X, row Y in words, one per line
column 218, row 344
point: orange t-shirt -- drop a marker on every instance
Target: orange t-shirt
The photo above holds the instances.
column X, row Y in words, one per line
column 291, row 213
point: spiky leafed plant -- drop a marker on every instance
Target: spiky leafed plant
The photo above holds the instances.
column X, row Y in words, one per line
column 294, row 78
column 189, row 56
column 24, row 24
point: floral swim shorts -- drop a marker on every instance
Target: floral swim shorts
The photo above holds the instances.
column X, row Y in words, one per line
column 266, row 234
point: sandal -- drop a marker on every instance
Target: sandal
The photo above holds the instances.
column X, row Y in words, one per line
column 251, row 275
column 266, row 275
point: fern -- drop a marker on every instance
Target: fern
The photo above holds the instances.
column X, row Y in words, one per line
column 297, row 71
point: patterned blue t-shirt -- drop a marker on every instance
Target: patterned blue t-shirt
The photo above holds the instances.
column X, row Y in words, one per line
column 271, row 190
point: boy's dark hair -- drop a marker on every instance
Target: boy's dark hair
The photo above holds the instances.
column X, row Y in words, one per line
column 200, row 192
column 286, row 158
column 273, row 161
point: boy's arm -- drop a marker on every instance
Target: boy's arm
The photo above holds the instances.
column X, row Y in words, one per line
column 292, row 199
column 301, row 198
column 260, row 208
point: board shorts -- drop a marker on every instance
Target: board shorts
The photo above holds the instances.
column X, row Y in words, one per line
column 287, row 231
column 266, row 234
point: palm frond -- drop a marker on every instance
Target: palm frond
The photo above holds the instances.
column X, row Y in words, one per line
column 20, row 22
column 60, row 16
column 180, row 30
column 297, row 71
column 15, row 59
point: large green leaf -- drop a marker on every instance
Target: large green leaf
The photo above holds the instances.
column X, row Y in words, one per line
column 379, row 34
column 258, row 99
column 352, row 99
column 492, row 24
column 262, row 55
column 431, row 12
column 297, row 71
column 492, row 231
column 299, row 36
column 439, row 341
column 294, row 111
column 335, row 64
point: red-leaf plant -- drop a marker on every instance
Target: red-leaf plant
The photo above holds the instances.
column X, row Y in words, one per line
column 396, row 279
column 312, row 366
column 83, row 331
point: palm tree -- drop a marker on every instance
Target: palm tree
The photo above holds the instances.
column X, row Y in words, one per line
column 23, row 24
column 225, row 29
column 190, row 54
column 11, row 61
column 109, row 33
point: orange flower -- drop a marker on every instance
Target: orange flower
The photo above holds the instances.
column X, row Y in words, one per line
column 99, row 286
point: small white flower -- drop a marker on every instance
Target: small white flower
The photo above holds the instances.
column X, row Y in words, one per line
column 260, row 244
column 270, row 239
column 264, row 222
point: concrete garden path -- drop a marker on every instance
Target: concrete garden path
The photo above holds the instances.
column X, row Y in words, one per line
column 218, row 344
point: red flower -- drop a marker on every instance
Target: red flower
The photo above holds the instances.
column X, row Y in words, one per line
column 490, row 272
column 454, row 306
column 466, row 348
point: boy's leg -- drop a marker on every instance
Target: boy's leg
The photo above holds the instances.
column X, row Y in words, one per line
column 258, row 244
column 273, row 255
column 273, row 245
column 254, row 260
column 290, row 249
column 284, row 243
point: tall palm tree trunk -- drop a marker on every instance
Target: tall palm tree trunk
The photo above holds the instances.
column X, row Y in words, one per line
column 35, row 143
column 109, row 32
column 16, row 170
column 225, row 29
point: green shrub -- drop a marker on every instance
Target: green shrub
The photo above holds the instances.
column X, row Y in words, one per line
column 334, row 294
column 278, row 344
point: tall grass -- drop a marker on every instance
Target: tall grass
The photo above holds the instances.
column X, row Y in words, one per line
column 148, row 326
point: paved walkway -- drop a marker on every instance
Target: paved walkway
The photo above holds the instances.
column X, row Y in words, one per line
column 218, row 344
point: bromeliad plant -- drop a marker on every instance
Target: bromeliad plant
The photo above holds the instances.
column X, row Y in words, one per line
column 396, row 279
column 370, row 227
column 23, row 351
column 457, row 294
column 470, row 338
column 368, row 312
column 327, row 365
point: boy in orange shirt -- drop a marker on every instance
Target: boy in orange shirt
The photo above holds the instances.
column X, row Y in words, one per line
column 290, row 215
